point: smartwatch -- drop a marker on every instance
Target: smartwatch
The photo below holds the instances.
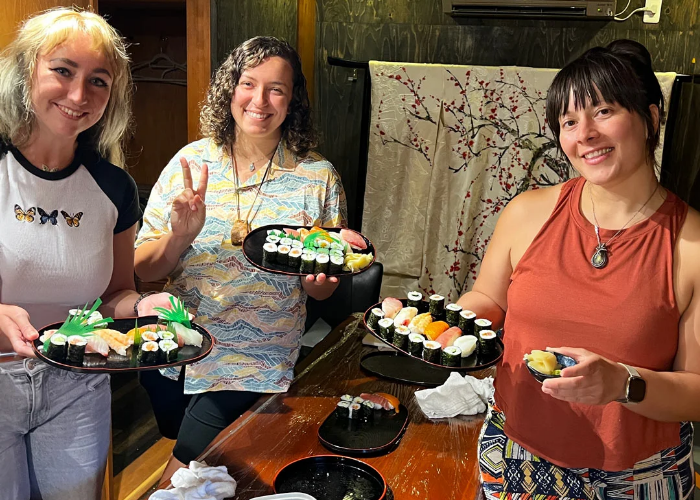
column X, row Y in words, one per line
column 636, row 387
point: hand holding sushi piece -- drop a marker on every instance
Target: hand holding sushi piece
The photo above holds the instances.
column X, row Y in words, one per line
column 189, row 211
column 593, row 380
column 15, row 326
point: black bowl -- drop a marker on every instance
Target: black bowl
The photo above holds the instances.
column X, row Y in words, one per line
column 564, row 361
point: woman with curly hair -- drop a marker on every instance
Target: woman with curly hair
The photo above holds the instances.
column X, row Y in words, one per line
column 254, row 167
column 68, row 218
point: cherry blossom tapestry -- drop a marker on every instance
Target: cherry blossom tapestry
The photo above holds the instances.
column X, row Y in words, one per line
column 449, row 147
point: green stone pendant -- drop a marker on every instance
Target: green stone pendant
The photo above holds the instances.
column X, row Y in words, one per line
column 600, row 257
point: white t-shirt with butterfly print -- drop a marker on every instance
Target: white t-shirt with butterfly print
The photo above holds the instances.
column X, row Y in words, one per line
column 56, row 231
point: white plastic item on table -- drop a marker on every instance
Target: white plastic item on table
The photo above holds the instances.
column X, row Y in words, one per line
column 286, row 496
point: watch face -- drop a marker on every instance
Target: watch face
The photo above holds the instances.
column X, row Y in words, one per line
column 637, row 390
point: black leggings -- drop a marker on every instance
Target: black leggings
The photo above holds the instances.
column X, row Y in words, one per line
column 194, row 420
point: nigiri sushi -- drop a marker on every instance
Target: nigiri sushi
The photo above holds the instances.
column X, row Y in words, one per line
column 418, row 323
column 404, row 316
column 448, row 337
column 117, row 341
column 435, row 329
column 382, row 400
column 355, row 240
column 391, row 307
column 190, row 337
column 98, row 345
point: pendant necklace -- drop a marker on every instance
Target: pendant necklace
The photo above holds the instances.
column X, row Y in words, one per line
column 241, row 227
column 599, row 259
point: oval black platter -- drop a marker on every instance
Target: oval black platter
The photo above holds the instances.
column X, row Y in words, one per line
column 115, row 363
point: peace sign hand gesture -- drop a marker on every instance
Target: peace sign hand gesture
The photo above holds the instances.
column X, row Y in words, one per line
column 189, row 211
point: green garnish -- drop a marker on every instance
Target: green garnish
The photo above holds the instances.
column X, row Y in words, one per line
column 137, row 334
column 78, row 324
column 171, row 329
column 177, row 313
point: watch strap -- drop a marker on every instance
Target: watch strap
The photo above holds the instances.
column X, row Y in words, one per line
column 141, row 297
column 632, row 373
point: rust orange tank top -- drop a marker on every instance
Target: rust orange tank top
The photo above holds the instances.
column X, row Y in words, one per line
column 625, row 312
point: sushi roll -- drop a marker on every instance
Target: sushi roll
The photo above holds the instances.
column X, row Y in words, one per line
column 342, row 409
column 487, row 344
column 346, row 397
column 452, row 314
column 415, row 344
column 286, row 241
column 283, row 254
column 308, row 262
column 295, row 258
column 467, row 343
column 336, row 265
column 337, row 253
column 297, row 244
column 367, row 411
column 466, row 322
column 414, row 299
column 269, row 253
column 451, row 356
column 400, row 338
column 57, row 348
column 336, row 246
column 149, row 336
column 386, row 329
column 374, row 316
column 324, row 251
column 322, row 264
column 166, row 335
column 148, row 354
column 355, row 411
column 437, row 306
column 480, row 325
column 276, row 232
column 168, row 350
column 271, row 238
column 75, row 352
column 431, row 351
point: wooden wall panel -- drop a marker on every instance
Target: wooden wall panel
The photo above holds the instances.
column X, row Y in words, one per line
column 406, row 30
column 239, row 20
column 199, row 60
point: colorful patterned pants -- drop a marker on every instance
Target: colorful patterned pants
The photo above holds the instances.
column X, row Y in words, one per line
column 510, row 472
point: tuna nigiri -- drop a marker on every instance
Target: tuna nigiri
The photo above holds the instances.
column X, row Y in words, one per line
column 448, row 337
column 353, row 239
column 382, row 400
column 391, row 307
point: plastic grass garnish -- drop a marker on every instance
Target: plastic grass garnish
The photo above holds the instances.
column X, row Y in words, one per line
column 78, row 324
column 137, row 334
column 177, row 313
column 171, row 329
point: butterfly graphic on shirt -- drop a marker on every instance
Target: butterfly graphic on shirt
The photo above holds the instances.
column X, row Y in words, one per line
column 72, row 220
column 27, row 216
column 52, row 217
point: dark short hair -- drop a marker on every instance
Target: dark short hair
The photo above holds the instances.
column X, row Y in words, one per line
column 619, row 73
column 216, row 120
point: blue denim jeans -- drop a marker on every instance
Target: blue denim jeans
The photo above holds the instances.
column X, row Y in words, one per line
column 54, row 432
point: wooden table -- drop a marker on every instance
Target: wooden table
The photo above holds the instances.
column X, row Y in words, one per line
column 436, row 459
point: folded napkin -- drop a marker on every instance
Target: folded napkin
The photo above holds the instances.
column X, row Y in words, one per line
column 457, row 396
column 199, row 482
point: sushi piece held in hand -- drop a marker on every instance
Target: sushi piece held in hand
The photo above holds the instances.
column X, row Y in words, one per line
column 391, row 307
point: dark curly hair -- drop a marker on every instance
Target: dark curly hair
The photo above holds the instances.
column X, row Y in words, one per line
column 216, row 120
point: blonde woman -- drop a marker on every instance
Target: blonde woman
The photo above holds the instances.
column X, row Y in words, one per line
column 68, row 218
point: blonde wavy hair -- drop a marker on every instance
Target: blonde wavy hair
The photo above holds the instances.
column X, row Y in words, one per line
column 41, row 34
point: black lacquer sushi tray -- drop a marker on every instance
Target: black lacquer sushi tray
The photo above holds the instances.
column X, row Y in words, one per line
column 474, row 362
column 257, row 238
column 116, row 363
column 332, row 477
column 376, row 435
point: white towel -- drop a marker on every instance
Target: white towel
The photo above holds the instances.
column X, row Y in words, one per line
column 457, row 396
column 198, row 482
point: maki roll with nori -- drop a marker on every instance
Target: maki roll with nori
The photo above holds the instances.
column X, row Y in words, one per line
column 57, row 347
column 75, row 352
column 166, row 335
column 342, row 409
column 276, row 232
column 283, row 254
column 271, row 238
column 286, row 241
column 367, row 411
column 168, row 350
column 374, row 316
column 415, row 344
column 386, row 329
column 308, row 263
column 400, row 337
column 466, row 322
column 295, row 258
column 269, row 253
column 451, row 356
column 437, row 306
column 487, row 345
column 148, row 354
column 414, row 299
column 322, row 263
column 355, row 411
column 297, row 244
column 336, row 265
column 431, row 351
column 149, row 336
column 452, row 314
column 480, row 325
column 346, row 397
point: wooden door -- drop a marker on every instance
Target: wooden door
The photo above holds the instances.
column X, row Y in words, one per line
column 13, row 12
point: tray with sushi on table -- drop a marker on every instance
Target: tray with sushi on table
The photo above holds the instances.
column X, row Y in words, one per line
column 303, row 250
column 86, row 342
column 445, row 336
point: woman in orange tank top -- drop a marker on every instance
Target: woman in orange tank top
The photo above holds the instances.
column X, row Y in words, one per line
column 605, row 269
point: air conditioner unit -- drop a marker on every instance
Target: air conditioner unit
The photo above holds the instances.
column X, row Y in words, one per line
column 538, row 9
